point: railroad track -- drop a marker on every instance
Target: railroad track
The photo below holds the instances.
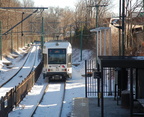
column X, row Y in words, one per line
column 21, row 74
column 51, row 102
column 16, row 72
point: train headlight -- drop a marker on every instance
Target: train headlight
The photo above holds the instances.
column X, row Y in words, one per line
column 64, row 70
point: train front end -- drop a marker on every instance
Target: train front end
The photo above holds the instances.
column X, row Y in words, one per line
column 57, row 60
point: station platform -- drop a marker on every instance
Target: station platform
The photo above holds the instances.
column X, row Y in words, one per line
column 87, row 107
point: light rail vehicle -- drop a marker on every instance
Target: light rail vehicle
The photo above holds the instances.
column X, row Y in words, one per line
column 57, row 60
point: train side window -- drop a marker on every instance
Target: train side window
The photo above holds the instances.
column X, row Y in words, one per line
column 69, row 59
column 45, row 59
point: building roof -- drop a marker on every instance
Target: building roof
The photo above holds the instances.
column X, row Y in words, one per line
column 121, row 61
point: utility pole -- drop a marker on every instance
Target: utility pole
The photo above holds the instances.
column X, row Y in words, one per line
column 81, row 39
column 42, row 33
column 123, row 28
column 143, row 24
column 0, row 41
column 143, row 4
column 22, row 30
column 70, row 34
column 119, row 28
column 97, row 13
column 11, row 41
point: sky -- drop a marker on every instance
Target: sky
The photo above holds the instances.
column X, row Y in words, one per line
column 55, row 3
column 67, row 3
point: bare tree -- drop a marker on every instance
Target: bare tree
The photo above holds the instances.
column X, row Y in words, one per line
column 27, row 3
column 134, row 25
column 14, row 38
column 57, row 20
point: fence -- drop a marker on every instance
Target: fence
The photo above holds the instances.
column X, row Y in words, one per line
column 15, row 95
column 92, row 85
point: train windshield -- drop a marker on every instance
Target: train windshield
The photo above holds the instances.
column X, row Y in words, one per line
column 56, row 56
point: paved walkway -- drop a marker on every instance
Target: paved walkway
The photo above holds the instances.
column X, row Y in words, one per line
column 87, row 107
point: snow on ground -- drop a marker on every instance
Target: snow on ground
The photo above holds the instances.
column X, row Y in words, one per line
column 22, row 74
column 14, row 58
column 52, row 100
column 75, row 87
column 86, row 54
column 29, row 103
column 6, row 72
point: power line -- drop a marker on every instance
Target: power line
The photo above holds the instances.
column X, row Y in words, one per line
column 23, row 7
column 25, row 17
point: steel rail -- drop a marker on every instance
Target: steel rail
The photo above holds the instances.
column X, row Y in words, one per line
column 19, row 70
column 16, row 72
column 63, row 97
column 45, row 91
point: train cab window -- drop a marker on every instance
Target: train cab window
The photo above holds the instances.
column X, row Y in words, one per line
column 56, row 56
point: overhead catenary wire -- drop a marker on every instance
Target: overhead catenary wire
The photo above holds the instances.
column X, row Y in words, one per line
column 15, row 9
column 19, row 22
column 36, row 9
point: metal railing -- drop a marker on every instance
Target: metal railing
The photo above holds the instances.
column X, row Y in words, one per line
column 92, row 85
